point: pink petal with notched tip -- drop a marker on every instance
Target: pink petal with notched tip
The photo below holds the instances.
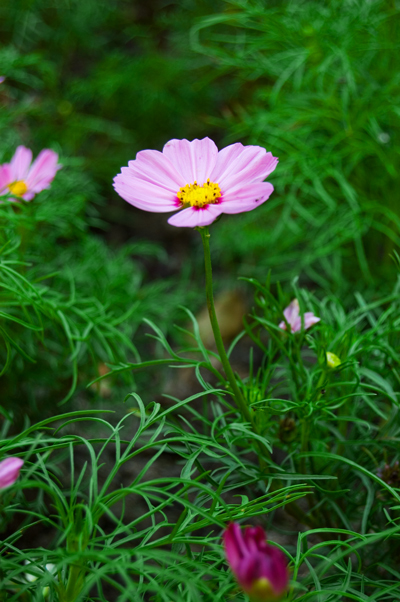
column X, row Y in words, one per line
column 194, row 160
column 192, row 217
column 42, row 172
column 246, row 198
column 143, row 194
column 20, row 163
column 156, row 168
column 9, row 471
column 252, row 164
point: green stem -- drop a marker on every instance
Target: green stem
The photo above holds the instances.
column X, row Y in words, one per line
column 240, row 401
column 305, row 429
column 291, row 507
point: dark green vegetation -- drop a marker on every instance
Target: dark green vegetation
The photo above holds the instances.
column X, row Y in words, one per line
column 318, row 84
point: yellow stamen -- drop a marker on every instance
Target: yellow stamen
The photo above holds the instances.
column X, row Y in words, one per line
column 194, row 195
column 262, row 591
column 18, row 188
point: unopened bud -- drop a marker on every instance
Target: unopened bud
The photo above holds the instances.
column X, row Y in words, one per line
column 260, row 569
column 332, row 360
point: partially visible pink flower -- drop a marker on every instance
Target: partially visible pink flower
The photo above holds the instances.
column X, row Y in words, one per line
column 197, row 180
column 260, row 569
column 9, row 471
column 24, row 179
column 2, row 79
column 293, row 318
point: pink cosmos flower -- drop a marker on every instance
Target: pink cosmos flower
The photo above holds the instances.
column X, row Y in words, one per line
column 260, row 569
column 9, row 471
column 293, row 318
column 23, row 179
column 197, row 180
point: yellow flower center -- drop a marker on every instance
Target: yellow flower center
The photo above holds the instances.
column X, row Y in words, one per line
column 18, row 188
column 262, row 591
column 194, row 195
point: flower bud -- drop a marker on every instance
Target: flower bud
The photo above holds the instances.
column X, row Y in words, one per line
column 293, row 318
column 332, row 360
column 287, row 430
column 9, row 471
column 260, row 569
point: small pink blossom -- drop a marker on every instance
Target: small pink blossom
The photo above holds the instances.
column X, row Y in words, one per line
column 9, row 471
column 260, row 569
column 23, row 178
column 196, row 180
column 2, row 79
column 293, row 318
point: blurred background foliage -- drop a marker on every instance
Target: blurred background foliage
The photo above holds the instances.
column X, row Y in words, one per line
column 98, row 80
column 315, row 83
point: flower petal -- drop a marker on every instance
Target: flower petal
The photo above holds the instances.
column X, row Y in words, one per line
column 155, row 167
column 20, row 163
column 5, row 177
column 246, row 198
column 225, row 160
column 310, row 319
column 233, row 168
column 43, row 170
column 235, row 547
column 195, row 216
column 296, row 324
column 195, row 159
column 275, row 569
column 9, row 471
column 143, row 194
column 247, row 571
column 292, row 312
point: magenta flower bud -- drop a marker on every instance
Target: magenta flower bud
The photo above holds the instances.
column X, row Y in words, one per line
column 293, row 318
column 260, row 569
column 9, row 471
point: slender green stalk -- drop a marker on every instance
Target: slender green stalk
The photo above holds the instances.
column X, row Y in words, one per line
column 291, row 507
column 240, row 401
column 305, row 431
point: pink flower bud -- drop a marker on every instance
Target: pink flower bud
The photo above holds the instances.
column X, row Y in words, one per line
column 293, row 318
column 260, row 569
column 9, row 471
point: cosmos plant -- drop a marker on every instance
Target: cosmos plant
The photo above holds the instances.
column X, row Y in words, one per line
column 200, row 183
